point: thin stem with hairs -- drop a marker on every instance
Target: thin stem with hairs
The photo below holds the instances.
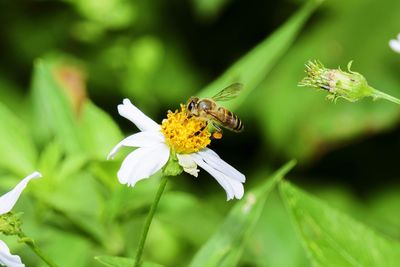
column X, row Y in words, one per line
column 381, row 95
column 148, row 221
column 32, row 245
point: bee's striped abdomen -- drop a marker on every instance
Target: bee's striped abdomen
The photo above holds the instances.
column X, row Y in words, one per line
column 231, row 121
column 238, row 123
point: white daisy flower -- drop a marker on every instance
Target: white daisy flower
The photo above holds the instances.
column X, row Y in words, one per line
column 395, row 44
column 186, row 137
column 7, row 202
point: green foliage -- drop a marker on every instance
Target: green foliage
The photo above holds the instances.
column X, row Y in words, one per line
column 332, row 238
column 93, row 121
column 225, row 247
column 15, row 144
column 274, row 238
column 53, row 113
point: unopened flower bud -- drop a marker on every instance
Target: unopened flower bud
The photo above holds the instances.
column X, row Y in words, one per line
column 349, row 85
column 10, row 224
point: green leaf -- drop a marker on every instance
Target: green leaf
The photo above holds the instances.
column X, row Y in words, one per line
column 98, row 131
column 112, row 261
column 16, row 146
column 50, row 158
column 274, row 238
column 53, row 113
column 67, row 195
column 380, row 209
column 225, row 247
column 255, row 65
column 332, row 238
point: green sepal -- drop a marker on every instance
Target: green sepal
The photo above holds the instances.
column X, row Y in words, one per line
column 172, row 168
column 10, row 223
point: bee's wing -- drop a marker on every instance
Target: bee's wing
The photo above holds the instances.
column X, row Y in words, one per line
column 229, row 92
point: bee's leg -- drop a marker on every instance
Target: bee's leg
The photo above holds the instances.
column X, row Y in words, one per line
column 217, row 134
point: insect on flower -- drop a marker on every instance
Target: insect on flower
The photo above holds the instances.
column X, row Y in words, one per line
column 182, row 138
column 215, row 115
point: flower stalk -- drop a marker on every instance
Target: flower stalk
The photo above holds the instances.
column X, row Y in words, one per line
column 381, row 95
column 148, row 221
column 348, row 85
column 32, row 245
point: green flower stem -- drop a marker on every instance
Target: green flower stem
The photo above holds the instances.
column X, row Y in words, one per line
column 381, row 95
column 31, row 243
column 149, row 218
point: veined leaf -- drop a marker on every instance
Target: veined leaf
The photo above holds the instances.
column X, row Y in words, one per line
column 225, row 247
column 332, row 238
column 255, row 65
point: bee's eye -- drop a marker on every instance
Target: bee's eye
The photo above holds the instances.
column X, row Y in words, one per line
column 191, row 106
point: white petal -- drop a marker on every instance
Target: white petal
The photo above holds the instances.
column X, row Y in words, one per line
column 7, row 259
column 188, row 164
column 233, row 187
column 395, row 45
column 141, row 139
column 8, row 200
column 132, row 113
column 216, row 162
column 142, row 163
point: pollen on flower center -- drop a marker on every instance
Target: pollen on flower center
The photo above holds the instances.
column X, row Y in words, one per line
column 185, row 134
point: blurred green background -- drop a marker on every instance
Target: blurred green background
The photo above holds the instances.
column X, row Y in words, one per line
column 66, row 65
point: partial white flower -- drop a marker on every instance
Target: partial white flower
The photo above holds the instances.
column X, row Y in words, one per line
column 395, row 44
column 7, row 202
column 7, row 259
column 155, row 142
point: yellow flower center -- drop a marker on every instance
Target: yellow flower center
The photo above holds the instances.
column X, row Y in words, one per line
column 185, row 134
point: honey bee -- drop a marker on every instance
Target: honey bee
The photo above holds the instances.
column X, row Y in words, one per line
column 207, row 109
